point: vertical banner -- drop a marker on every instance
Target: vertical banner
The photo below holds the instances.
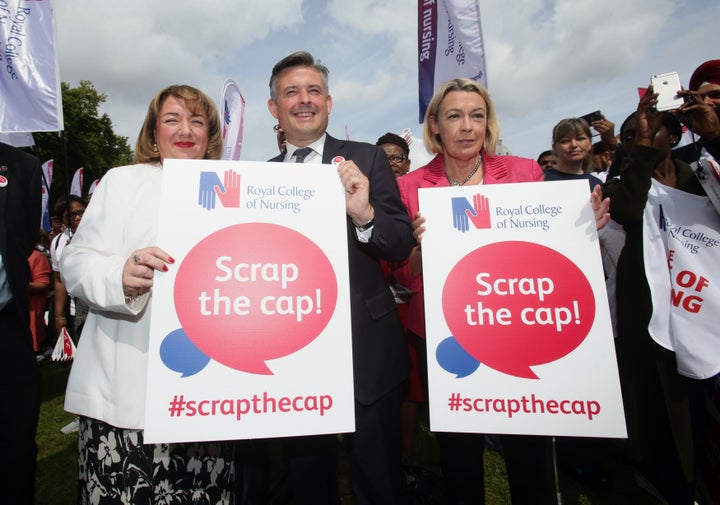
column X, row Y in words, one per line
column 519, row 338
column 92, row 187
column 30, row 97
column 450, row 45
column 233, row 110
column 47, row 175
column 48, row 170
column 250, row 328
column 77, row 182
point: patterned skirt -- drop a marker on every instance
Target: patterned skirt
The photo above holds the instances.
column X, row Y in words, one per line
column 116, row 468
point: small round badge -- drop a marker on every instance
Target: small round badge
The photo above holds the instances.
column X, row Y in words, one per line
column 3, row 181
column 337, row 160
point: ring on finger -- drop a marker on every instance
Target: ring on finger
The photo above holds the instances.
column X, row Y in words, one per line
column 136, row 259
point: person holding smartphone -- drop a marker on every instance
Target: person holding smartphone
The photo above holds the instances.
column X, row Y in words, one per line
column 701, row 109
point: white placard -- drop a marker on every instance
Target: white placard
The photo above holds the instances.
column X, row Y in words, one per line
column 518, row 329
column 250, row 330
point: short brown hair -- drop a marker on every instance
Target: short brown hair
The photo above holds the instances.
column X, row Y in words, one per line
column 492, row 135
column 297, row 59
column 572, row 127
column 145, row 147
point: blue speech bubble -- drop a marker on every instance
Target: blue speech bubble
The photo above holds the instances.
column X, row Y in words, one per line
column 179, row 354
column 454, row 359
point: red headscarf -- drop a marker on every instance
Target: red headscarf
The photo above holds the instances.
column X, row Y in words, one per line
column 707, row 72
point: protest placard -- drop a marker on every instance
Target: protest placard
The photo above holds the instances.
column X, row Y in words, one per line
column 519, row 338
column 250, row 332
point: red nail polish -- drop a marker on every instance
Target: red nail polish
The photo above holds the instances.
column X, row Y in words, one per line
column 171, row 260
column 165, row 268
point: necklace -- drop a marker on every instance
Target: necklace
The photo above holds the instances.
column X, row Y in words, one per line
column 469, row 176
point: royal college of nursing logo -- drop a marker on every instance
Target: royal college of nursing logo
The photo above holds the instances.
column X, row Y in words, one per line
column 464, row 213
column 227, row 191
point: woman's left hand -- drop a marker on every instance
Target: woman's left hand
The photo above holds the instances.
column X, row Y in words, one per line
column 140, row 267
column 601, row 207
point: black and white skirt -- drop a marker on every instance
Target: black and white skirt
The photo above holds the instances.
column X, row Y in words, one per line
column 114, row 467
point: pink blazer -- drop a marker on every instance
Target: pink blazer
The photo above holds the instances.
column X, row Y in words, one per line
column 498, row 170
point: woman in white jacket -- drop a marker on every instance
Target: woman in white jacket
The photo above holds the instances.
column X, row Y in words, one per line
column 111, row 263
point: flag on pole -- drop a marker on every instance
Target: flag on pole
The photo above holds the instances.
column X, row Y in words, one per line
column 77, row 183
column 30, row 97
column 93, row 185
column 17, row 139
column 45, row 215
column 419, row 155
column 450, row 45
column 233, row 107
column 47, row 169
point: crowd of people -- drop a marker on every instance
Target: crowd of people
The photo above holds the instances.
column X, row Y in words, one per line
column 104, row 261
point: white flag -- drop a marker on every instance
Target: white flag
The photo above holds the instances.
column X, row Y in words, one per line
column 44, row 214
column 93, row 185
column 17, row 139
column 30, row 97
column 47, row 169
column 77, row 183
column 450, row 45
column 233, row 110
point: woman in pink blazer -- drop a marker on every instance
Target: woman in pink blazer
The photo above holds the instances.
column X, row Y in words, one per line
column 461, row 127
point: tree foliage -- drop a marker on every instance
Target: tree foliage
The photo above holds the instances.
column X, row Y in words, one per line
column 90, row 140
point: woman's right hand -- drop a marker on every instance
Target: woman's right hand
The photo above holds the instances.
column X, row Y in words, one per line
column 415, row 259
column 140, row 267
column 418, row 228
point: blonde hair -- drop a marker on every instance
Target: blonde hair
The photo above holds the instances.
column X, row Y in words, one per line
column 433, row 142
column 195, row 100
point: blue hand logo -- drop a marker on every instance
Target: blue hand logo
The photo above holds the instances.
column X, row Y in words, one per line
column 206, row 196
column 460, row 218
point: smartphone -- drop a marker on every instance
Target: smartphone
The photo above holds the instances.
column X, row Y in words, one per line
column 667, row 87
column 589, row 118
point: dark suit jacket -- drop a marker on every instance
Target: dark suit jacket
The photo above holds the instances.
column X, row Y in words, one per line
column 380, row 357
column 19, row 219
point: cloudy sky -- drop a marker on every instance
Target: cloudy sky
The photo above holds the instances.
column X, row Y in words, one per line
column 546, row 60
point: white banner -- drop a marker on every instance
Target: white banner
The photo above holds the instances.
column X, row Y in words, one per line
column 77, row 182
column 681, row 246
column 48, row 170
column 519, row 338
column 17, row 139
column 233, row 110
column 93, row 185
column 250, row 332
column 30, row 96
column 450, row 45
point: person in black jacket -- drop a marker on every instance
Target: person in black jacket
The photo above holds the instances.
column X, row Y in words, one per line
column 378, row 228
column 20, row 194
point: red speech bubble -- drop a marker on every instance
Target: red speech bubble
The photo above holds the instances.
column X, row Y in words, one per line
column 513, row 305
column 254, row 292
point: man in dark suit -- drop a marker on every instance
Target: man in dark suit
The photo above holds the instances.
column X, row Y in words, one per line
column 378, row 228
column 20, row 194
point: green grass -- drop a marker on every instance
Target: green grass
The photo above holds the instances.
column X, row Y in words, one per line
column 603, row 455
column 57, row 459
column 57, row 453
